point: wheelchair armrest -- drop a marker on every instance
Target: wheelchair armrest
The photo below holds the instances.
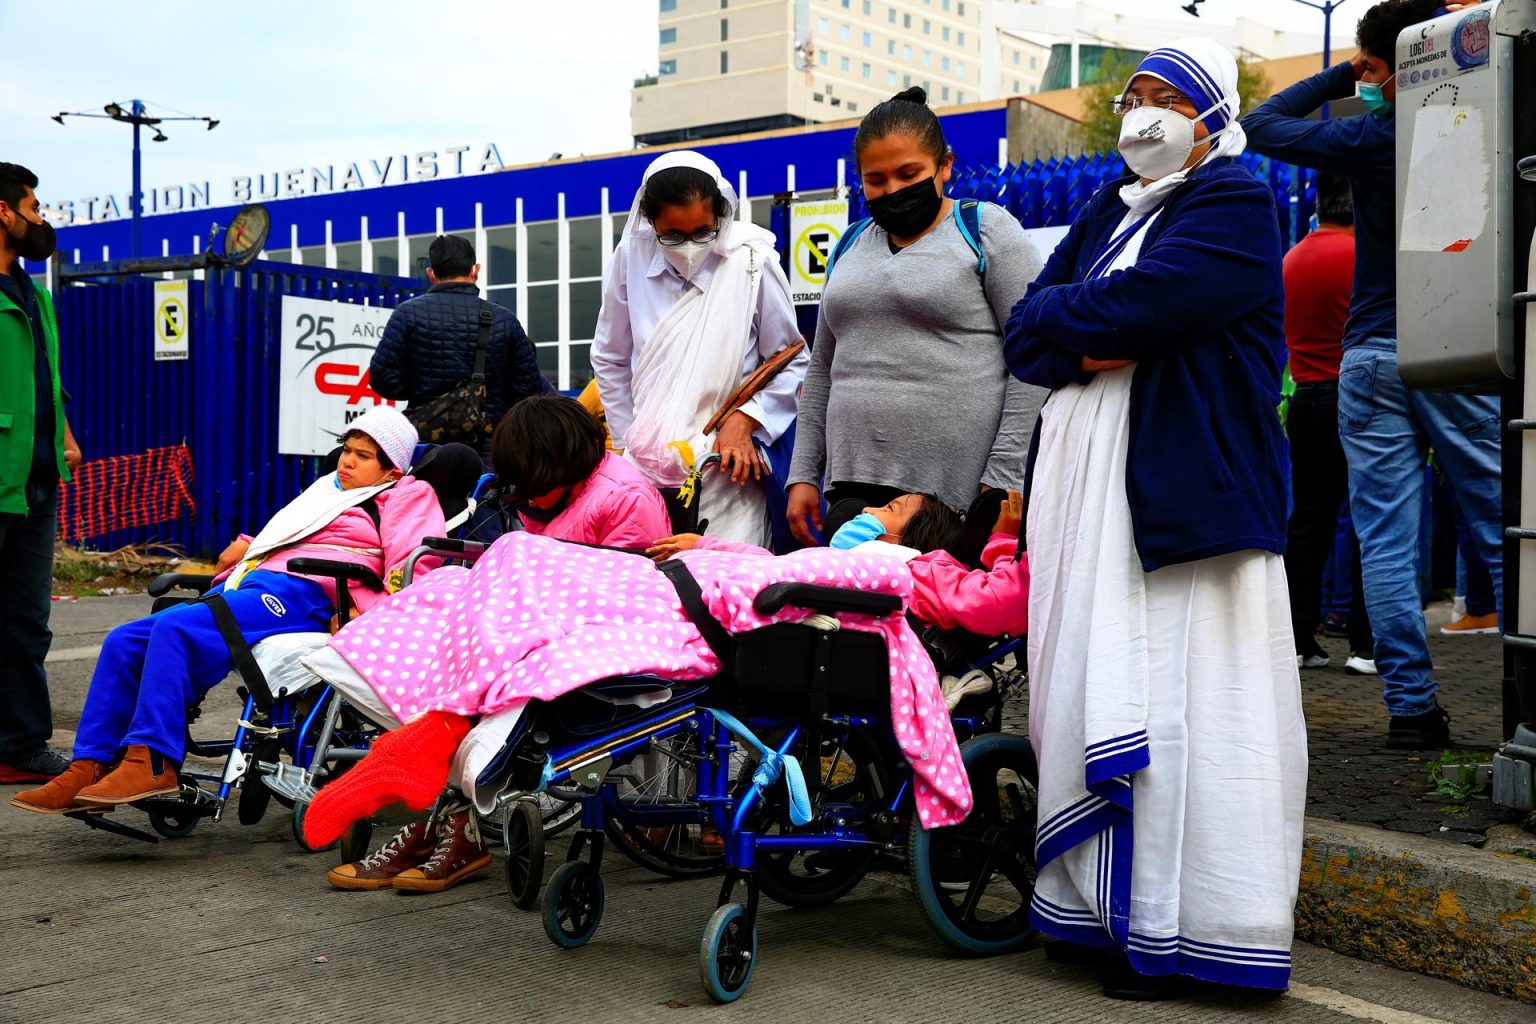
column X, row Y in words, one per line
column 168, row 581
column 451, row 547
column 824, row 599
column 337, row 570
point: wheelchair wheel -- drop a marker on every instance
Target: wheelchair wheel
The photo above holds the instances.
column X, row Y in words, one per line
column 523, row 838
column 974, row 880
column 255, row 796
column 854, row 774
column 573, row 904
column 557, row 814
column 666, row 779
column 727, row 954
column 173, row 826
column 298, row 831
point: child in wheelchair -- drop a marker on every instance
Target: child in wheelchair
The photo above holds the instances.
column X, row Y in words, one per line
column 132, row 734
column 963, row 577
column 550, row 454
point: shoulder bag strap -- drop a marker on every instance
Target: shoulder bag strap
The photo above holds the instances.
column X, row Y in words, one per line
column 486, row 315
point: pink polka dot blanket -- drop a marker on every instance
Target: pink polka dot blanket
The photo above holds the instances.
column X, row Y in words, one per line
column 536, row 617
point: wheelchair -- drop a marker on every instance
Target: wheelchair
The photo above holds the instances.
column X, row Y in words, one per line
column 810, row 691
column 298, row 733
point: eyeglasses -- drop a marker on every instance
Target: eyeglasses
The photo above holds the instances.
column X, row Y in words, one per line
column 1130, row 101
column 671, row 238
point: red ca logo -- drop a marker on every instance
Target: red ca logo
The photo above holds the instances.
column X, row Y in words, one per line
column 349, row 380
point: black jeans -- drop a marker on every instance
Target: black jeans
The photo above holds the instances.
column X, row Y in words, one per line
column 26, row 558
column 1319, row 487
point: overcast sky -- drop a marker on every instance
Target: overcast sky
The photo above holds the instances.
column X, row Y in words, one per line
column 334, row 81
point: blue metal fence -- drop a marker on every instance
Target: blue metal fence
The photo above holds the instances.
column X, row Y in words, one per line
column 1048, row 193
column 221, row 402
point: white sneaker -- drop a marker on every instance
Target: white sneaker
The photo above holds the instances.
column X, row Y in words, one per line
column 1360, row 665
column 1312, row 661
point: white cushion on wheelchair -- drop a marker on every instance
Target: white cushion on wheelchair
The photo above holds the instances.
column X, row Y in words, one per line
column 328, row 664
column 279, row 656
column 484, row 741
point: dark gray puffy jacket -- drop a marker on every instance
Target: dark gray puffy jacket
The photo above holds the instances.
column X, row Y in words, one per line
column 429, row 346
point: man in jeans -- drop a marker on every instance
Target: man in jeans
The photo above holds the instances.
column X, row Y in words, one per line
column 37, row 449
column 1387, row 428
column 1319, row 273
column 428, row 345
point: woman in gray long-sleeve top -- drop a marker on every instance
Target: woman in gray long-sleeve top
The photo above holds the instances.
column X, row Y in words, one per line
column 907, row 389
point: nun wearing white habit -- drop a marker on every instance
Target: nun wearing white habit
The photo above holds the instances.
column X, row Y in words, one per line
column 1165, row 704
column 694, row 301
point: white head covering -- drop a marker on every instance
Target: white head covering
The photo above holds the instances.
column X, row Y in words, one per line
column 1206, row 72
column 733, row 233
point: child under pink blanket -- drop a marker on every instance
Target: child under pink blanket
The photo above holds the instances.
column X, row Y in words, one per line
column 535, row 618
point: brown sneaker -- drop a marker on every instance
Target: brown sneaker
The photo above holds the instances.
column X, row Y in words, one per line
column 405, row 849
column 58, row 796
column 141, row 774
column 458, row 855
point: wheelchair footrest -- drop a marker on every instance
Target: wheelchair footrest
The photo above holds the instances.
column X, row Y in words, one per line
column 288, row 781
column 96, row 819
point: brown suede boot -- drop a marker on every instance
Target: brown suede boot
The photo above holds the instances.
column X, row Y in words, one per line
column 459, row 854
column 141, row 774
column 58, row 796
column 405, row 849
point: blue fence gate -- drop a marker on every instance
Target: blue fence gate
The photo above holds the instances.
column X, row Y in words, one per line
column 221, row 402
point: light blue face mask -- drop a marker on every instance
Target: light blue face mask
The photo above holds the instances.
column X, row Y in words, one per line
column 862, row 527
column 1370, row 95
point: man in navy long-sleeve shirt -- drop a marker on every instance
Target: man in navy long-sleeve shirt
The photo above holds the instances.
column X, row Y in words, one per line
column 1386, row 428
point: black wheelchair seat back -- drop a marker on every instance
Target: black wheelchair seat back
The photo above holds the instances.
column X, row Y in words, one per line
column 806, row 671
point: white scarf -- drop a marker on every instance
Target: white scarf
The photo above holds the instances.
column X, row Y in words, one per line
column 321, row 502
column 692, row 361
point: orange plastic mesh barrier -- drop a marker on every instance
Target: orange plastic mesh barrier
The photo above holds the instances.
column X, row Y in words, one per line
column 125, row 491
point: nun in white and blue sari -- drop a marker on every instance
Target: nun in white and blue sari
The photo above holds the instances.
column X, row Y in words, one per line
column 1165, row 704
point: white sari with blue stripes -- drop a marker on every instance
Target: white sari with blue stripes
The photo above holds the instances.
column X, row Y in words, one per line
column 1166, row 711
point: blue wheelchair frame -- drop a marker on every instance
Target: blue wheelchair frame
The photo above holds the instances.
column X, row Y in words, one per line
column 581, row 765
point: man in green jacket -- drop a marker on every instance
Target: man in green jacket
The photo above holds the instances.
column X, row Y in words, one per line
column 37, row 450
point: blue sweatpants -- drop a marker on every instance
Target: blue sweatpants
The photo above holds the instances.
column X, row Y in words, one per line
column 151, row 670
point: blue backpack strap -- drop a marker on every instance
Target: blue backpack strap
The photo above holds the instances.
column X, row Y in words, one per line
column 968, row 220
column 844, row 244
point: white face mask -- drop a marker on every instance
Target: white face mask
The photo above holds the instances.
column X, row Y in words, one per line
column 688, row 257
column 1156, row 142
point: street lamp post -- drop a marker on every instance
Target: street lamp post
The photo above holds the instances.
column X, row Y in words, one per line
column 137, row 115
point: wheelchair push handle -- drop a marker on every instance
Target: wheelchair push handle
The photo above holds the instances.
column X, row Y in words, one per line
column 465, row 550
column 773, row 598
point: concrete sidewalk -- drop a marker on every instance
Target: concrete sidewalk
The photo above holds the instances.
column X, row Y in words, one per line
column 1379, row 879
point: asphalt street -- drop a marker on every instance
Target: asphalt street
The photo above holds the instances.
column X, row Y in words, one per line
column 236, row 924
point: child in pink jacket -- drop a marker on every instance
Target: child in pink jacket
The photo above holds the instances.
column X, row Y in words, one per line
column 152, row 670
column 568, row 486
column 552, row 453
column 990, row 599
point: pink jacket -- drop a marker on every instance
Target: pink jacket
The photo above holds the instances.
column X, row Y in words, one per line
column 408, row 511
column 990, row 602
column 615, row 507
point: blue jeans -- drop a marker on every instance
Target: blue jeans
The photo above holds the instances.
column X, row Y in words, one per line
column 1387, row 430
column 151, row 670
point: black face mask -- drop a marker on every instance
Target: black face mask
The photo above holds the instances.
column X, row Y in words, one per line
column 37, row 241
column 908, row 211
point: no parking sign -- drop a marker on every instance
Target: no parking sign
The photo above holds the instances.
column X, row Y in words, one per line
column 814, row 229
